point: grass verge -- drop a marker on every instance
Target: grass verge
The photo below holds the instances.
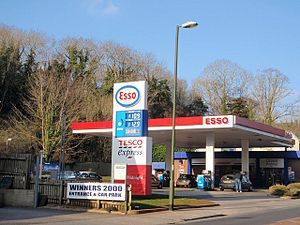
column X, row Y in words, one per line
column 159, row 201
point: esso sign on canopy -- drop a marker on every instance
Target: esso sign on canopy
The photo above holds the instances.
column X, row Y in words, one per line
column 127, row 96
column 218, row 121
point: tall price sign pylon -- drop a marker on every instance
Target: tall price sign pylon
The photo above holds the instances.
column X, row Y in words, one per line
column 131, row 145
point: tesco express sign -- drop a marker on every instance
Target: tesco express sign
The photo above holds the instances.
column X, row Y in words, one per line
column 128, row 96
column 132, row 150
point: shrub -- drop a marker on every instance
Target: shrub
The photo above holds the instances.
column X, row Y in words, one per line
column 293, row 189
column 294, row 186
column 278, row 190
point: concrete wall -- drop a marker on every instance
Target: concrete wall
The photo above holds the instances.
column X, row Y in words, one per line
column 17, row 197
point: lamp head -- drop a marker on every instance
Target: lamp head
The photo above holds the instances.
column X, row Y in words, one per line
column 189, row 24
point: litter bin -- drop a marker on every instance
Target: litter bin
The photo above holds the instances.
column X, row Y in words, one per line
column 204, row 182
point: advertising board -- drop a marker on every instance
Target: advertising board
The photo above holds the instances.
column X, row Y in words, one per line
column 133, row 150
column 271, row 163
column 96, row 191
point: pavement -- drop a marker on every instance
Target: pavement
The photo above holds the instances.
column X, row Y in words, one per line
column 227, row 199
column 291, row 221
column 12, row 215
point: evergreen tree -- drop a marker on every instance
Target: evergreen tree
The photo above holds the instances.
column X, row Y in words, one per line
column 196, row 108
column 238, row 107
column 159, row 98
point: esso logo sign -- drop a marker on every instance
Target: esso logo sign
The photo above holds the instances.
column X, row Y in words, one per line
column 128, row 96
column 216, row 120
column 128, row 143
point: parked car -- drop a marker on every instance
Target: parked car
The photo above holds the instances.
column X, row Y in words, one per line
column 186, row 180
column 156, row 183
column 88, row 176
column 227, row 182
column 68, row 175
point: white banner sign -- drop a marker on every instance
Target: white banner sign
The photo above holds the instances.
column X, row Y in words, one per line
column 96, row 191
column 133, row 150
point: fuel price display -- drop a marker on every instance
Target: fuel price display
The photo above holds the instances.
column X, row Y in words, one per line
column 131, row 123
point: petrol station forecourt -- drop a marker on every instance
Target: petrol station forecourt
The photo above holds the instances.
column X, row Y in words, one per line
column 209, row 132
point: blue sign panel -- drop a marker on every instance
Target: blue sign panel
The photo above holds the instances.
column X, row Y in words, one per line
column 132, row 123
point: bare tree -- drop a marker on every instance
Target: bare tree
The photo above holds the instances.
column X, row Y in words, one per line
column 220, row 82
column 51, row 96
column 269, row 91
column 17, row 52
column 74, row 78
column 183, row 97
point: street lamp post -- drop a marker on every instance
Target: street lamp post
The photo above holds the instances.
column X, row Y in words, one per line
column 171, row 193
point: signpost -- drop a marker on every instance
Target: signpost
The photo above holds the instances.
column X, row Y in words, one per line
column 131, row 146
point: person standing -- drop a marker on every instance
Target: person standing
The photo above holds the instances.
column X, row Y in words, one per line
column 237, row 182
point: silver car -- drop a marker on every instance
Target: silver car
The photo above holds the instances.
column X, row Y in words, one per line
column 228, row 182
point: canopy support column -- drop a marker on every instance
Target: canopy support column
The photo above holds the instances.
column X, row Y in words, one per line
column 210, row 156
column 245, row 156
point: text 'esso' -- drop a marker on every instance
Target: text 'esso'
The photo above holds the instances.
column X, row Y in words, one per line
column 216, row 120
column 128, row 96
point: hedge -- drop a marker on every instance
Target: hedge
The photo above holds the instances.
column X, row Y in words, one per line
column 292, row 189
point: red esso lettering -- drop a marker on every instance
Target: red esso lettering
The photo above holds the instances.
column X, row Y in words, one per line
column 225, row 120
column 127, row 96
column 207, row 121
column 218, row 120
column 130, row 142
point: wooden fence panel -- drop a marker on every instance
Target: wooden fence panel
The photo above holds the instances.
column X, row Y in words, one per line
column 52, row 190
column 17, row 166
